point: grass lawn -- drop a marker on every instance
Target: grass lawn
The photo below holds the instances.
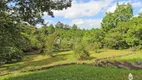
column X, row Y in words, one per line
column 39, row 60
column 131, row 58
column 77, row 72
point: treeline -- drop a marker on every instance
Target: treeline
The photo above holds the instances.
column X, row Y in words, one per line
column 55, row 38
column 119, row 30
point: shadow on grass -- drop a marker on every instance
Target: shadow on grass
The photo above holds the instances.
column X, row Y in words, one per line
column 16, row 65
column 100, row 51
column 47, row 61
column 29, row 63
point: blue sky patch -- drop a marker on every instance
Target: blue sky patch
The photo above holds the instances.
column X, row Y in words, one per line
column 89, row 13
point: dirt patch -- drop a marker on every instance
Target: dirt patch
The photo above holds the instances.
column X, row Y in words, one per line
column 124, row 65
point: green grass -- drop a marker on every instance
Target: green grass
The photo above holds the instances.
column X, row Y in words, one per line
column 77, row 72
column 39, row 60
column 131, row 58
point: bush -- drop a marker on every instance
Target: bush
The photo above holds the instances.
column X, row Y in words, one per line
column 12, row 54
column 97, row 46
column 49, row 51
column 52, row 44
column 81, row 52
column 139, row 47
column 35, row 43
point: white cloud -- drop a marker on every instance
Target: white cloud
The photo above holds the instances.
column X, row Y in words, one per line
column 87, row 24
column 38, row 25
column 111, row 9
column 140, row 10
column 47, row 21
column 78, row 10
column 137, row 4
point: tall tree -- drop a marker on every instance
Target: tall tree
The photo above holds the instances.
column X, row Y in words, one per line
column 59, row 25
column 74, row 27
column 32, row 10
column 123, row 13
column 52, row 44
column 51, row 29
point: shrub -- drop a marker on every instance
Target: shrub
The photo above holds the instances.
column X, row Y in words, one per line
column 81, row 52
column 12, row 54
column 97, row 46
column 35, row 44
column 139, row 47
column 49, row 50
column 52, row 44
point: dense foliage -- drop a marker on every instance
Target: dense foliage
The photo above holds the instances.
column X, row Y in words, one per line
column 122, row 31
column 14, row 14
column 80, row 52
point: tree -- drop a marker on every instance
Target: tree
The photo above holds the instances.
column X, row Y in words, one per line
column 123, row 13
column 67, row 27
column 44, row 30
column 59, row 25
column 52, row 44
column 9, row 36
column 94, row 36
column 32, row 11
column 134, row 36
column 108, row 22
column 51, row 29
column 29, row 40
column 97, row 46
column 74, row 27
column 140, row 14
column 115, row 40
column 81, row 52
column 13, row 15
column 65, row 44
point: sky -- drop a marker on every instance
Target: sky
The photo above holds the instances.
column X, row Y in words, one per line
column 87, row 14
